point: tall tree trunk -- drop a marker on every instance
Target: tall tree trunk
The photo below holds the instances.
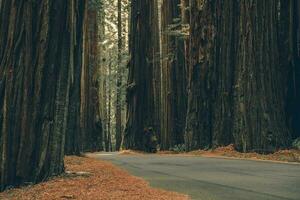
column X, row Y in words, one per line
column 103, row 76
column 109, row 106
column 91, row 127
column 238, row 86
column 140, row 91
column 38, row 58
column 84, row 131
column 119, row 80
column 156, row 62
column 174, row 89
column 222, row 71
column 260, row 120
column 291, row 22
column 73, row 133
column 198, row 122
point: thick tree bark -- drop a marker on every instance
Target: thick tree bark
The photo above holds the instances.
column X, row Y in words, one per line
column 140, row 91
column 239, row 80
column 84, row 131
column 260, row 120
column 199, row 113
column 91, row 126
column 37, row 56
column 174, row 89
column 73, row 133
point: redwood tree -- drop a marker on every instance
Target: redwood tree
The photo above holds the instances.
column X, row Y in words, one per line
column 140, row 90
column 243, row 86
column 38, row 54
column 90, row 119
column 174, row 88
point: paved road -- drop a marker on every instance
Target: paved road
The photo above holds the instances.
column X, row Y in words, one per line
column 214, row 178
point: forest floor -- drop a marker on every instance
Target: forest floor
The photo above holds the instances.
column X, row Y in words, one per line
column 91, row 179
column 291, row 156
column 229, row 151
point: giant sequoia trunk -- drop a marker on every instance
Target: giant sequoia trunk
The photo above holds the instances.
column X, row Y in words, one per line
column 90, row 123
column 84, row 131
column 73, row 133
column 140, row 91
column 241, row 70
column 38, row 57
column 199, row 113
column 294, row 108
column 174, row 95
column 260, row 120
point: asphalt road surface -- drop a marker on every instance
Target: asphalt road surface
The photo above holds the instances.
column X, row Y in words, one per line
column 213, row 178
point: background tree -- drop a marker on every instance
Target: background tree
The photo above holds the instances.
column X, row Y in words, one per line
column 113, row 67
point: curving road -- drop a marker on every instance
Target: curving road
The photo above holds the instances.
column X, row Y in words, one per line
column 213, row 178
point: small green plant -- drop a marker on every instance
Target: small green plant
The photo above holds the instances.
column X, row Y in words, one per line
column 179, row 148
column 296, row 144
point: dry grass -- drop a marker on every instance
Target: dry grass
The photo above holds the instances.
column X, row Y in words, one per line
column 91, row 179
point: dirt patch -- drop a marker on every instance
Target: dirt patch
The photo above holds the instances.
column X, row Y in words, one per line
column 90, row 179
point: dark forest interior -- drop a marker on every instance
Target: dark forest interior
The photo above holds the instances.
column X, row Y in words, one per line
column 150, row 75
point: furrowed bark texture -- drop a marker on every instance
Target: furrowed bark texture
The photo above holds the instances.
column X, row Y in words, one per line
column 90, row 124
column 260, row 120
column 174, row 89
column 140, row 91
column 73, row 133
column 242, row 76
column 37, row 56
column 84, row 133
column 198, row 122
column 155, row 59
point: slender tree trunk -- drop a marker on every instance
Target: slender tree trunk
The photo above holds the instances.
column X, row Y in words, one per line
column 119, row 80
column 38, row 58
column 103, row 76
column 155, row 59
column 109, row 124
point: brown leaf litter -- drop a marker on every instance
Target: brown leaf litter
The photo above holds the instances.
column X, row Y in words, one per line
column 90, row 179
column 288, row 155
